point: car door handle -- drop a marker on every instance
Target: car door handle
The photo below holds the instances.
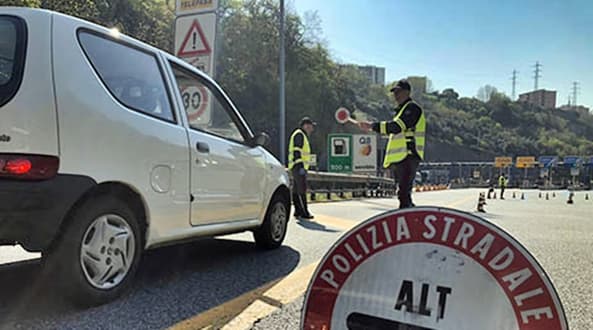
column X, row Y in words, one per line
column 202, row 147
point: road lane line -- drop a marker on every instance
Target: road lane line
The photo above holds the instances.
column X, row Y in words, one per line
column 461, row 201
column 293, row 285
column 335, row 222
column 283, row 290
column 218, row 316
column 244, row 321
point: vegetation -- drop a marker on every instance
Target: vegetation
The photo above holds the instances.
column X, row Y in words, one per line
column 504, row 127
column 247, row 68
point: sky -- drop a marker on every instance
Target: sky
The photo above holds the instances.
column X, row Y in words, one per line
column 465, row 44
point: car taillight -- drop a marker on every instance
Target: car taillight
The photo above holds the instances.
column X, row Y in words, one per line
column 18, row 166
column 28, row 167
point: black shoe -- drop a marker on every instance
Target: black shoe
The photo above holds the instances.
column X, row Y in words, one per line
column 307, row 216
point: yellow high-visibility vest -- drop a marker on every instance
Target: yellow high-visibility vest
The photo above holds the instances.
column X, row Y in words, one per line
column 502, row 182
column 397, row 147
column 305, row 151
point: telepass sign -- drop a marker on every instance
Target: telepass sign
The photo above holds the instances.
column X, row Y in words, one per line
column 430, row 268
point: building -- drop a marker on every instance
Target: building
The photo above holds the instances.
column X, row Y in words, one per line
column 419, row 85
column 375, row 74
column 578, row 108
column 541, row 98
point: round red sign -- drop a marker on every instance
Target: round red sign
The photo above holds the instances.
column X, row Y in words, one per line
column 430, row 268
column 195, row 101
column 342, row 115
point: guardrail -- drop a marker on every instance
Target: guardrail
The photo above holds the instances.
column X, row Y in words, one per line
column 325, row 186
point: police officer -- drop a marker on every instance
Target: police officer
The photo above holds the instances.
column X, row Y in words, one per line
column 299, row 156
column 405, row 148
column 502, row 183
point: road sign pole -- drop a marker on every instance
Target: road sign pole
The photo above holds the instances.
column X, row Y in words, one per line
column 282, row 124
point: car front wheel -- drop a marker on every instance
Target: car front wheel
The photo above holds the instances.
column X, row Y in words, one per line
column 272, row 232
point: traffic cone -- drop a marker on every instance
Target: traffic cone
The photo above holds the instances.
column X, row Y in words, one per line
column 513, row 195
column 481, row 203
column 570, row 200
column 494, row 196
column 540, row 194
column 547, row 196
column 553, row 195
column 586, row 197
column 522, row 196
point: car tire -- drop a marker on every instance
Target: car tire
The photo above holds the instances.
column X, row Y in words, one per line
column 98, row 252
column 272, row 232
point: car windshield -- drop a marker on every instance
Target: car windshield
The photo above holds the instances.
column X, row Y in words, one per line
column 296, row 164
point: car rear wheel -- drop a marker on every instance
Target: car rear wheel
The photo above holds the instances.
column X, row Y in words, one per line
column 97, row 255
column 272, row 232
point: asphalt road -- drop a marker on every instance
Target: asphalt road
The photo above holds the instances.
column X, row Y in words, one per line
column 180, row 282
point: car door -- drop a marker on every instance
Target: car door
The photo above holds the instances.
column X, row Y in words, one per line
column 227, row 174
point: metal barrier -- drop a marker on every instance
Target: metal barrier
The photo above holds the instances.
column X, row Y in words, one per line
column 325, row 186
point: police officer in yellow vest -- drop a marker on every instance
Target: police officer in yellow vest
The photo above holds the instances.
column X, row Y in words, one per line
column 299, row 156
column 502, row 183
column 405, row 148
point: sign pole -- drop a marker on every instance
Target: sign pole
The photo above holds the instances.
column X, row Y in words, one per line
column 282, row 126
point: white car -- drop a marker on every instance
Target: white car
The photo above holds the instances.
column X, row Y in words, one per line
column 109, row 147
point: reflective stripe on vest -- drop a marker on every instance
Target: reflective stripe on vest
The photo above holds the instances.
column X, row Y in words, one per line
column 305, row 151
column 397, row 147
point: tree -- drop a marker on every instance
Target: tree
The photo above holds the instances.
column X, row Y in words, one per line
column 486, row 92
column 147, row 20
column 22, row 3
column 450, row 93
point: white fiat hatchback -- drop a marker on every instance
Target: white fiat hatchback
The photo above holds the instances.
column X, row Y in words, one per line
column 109, row 147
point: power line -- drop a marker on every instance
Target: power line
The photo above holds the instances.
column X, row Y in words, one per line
column 537, row 74
column 575, row 91
column 514, row 79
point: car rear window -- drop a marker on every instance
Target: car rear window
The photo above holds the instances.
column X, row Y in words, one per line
column 12, row 55
column 131, row 75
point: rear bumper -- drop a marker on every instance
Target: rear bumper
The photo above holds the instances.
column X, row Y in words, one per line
column 31, row 212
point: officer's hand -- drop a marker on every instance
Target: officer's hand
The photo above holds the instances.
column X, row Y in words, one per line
column 365, row 126
column 302, row 172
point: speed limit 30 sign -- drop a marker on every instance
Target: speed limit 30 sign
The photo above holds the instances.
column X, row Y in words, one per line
column 196, row 103
column 430, row 268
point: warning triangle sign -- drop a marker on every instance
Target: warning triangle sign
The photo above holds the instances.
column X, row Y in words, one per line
column 195, row 42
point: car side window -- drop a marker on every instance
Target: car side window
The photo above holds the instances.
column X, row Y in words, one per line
column 132, row 76
column 13, row 42
column 204, row 108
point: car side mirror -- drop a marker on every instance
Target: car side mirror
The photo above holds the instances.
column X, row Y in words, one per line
column 262, row 139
